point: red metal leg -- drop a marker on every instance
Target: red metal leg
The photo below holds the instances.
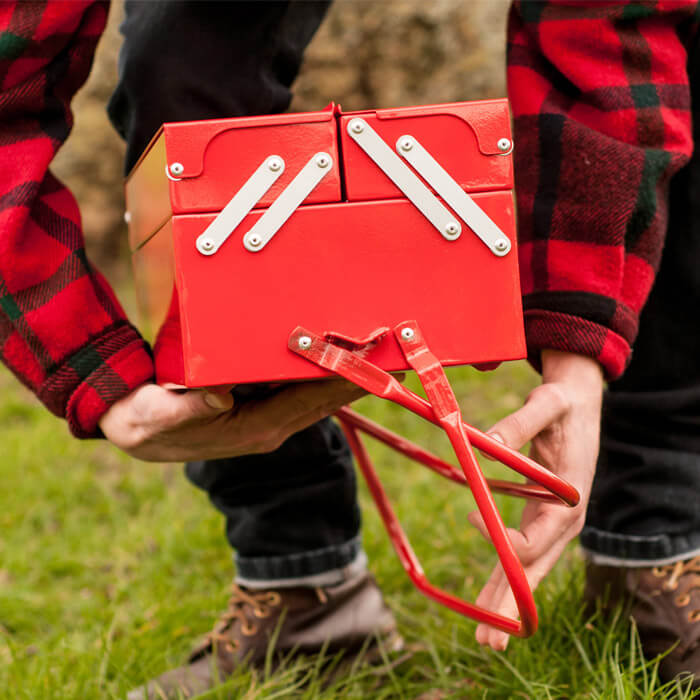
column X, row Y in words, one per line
column 410, row 562
column 443, row 410
column 446, row 409
column 431, row 461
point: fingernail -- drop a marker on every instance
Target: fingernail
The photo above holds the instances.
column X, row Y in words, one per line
column 496, row 436
column 220, row 401
column 500, row 644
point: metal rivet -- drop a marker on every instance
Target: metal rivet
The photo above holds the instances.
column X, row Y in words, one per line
column 357, row 126
column 406, row 144
column 274, row 164
column 255, row 241
column 501, row 245
column 177, row 168
column 452, row 228
column 206, row 244
column 322, row 160
column 304, row 342
column 504, row 144
column 407, row 333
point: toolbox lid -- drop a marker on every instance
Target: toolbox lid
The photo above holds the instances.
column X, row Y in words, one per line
column 197, row 167
column 472, row 141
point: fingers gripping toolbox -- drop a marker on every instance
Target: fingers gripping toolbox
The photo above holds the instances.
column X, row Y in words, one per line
column 295, row 246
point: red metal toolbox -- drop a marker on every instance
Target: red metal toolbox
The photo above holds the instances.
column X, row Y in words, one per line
column 355, row 238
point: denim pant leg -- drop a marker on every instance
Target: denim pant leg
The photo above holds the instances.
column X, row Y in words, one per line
column 292, row 513
column 645, row 503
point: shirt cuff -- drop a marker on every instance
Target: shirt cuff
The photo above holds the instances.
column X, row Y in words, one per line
column 559, row 331
column 125, row 363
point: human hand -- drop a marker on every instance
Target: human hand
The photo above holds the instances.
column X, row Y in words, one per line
column 562, row 419
column 158, row 425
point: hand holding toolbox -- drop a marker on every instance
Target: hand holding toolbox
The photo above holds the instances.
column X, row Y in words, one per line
column 297, row 246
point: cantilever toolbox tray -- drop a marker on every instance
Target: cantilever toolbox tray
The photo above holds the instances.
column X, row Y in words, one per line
column 297, row 246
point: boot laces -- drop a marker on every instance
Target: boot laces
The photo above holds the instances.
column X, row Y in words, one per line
column 240, row 605
column 682, row 572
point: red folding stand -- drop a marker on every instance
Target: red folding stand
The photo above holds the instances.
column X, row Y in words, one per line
column 443, row 410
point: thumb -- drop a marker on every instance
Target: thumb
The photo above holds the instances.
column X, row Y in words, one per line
column 544, row 406
column 202, row 404
column 218, row 401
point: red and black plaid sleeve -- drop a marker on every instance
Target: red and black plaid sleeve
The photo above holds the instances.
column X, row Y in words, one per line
column 601, row 109
column 62, row 330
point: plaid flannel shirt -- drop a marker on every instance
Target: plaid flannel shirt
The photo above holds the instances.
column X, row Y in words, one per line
column 601, row 106
column 62, row 330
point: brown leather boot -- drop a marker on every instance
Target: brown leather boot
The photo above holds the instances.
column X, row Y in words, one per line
column 305, row 620
column 665, row 604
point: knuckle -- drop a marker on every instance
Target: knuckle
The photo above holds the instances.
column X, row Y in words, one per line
column 515, row 427
column 271, row 441
column 134, row 438
column 275, row 444
column 555, row 396
column 171, row 417
column 299, row 404
column 578, row 523
column 529, row 546
column 150, row 413
column 325, row 411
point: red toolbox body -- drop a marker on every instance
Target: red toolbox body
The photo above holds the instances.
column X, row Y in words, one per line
column 355, row 255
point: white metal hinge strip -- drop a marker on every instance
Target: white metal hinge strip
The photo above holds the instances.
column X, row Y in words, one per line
column 404, row 178
column 445, row 185
column 215, row 235
column 290, row 198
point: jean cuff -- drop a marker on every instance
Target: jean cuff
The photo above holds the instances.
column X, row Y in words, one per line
column 327, row 566
column 613, row 549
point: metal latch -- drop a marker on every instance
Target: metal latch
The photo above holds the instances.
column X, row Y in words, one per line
column 404, row 178
column 445, row 185
column 230, row 217
column 438, row 178
column 215, row 235
column 291, row 197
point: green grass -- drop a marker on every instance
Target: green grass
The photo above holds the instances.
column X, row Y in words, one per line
column 110, row 568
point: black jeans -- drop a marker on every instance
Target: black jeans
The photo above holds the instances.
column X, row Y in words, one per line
column 645, row 505
column 292, row 513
